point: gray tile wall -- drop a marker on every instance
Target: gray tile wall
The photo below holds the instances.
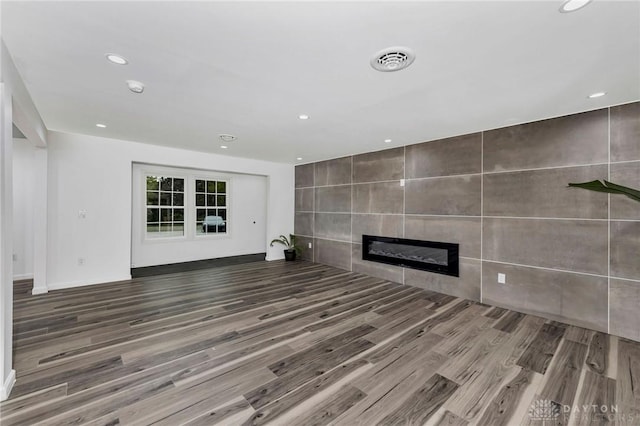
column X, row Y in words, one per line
column 568, row 254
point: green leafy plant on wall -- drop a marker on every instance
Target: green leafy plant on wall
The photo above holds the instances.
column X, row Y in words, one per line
column 609, row 187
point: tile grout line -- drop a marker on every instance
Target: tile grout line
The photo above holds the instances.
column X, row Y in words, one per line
column 546, row 218
column 625, row 279
column 313, row 228
column 622, row 161
column 458, row 216
column 375, row 181
column 306, row 236
column 442, row 177
column 330, row 186
column 534, row 169
column 404, row 200
column 351, row 219
column 478, row 174
column 313, row 212
column 609, row 222
column 481, row 211
column 544, row 268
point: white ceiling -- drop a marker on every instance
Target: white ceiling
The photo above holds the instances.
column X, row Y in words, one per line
column 250, row 68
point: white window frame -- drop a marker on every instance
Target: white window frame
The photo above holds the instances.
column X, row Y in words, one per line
column 190, row 177
column 227, row 182
column 145, row 238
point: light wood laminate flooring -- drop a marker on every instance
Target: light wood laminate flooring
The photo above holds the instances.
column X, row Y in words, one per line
column 296, row 343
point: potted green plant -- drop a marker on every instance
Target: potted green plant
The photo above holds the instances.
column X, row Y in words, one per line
column 290, row 244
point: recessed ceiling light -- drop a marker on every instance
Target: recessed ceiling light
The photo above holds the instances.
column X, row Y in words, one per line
column 224, row 146
column 597, row 95
column 303, row 117
column 135, row 86
column 573, row 5
column 387, row 141
column 225, row 137
column 102, row 126
column 299, row 158
column 116, row 59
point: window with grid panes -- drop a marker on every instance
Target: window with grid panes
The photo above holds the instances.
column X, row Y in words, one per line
column 165, row 207
column 211, row 205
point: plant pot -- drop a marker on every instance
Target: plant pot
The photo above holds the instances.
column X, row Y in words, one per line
column 289, row 255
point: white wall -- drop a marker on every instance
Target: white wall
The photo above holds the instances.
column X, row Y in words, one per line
column 246, row 210
column 16, row 106
column 7, row 374
column 23, row 208
column 94, row 174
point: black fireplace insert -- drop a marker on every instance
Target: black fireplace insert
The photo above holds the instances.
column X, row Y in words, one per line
column 430, row 256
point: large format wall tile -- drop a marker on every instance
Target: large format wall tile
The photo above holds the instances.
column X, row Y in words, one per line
column 467, row 285
column 306, row 252
column 333, row 253
column 573, row 245
column 304, row 199
column 381, row 225
column 378, row 166
column 544, row 193
column 625, row 250
column 375, row 269
column 303, row 224
column 454, row 195
column 564, row 296
column 624, row 298
column 333, row 172
column 554, row 241
column 333, row 226
column 625, row 132
column 444, row 157
column 333, row 199
column 383, row 197
column 566, row 141
column 304, row 175
column 627, row 174
column 462, row 230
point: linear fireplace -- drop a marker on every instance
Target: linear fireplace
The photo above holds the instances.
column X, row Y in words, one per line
column 417, row 254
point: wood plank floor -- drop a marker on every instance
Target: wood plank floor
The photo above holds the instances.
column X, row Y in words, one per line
column 304, row 344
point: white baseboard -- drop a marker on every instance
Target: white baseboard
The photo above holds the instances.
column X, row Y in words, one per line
column 39, row 290
column 82, row 283
column 22, row 277
column 5, row 388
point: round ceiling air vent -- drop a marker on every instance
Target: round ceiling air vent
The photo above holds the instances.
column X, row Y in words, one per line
column 392, row 59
